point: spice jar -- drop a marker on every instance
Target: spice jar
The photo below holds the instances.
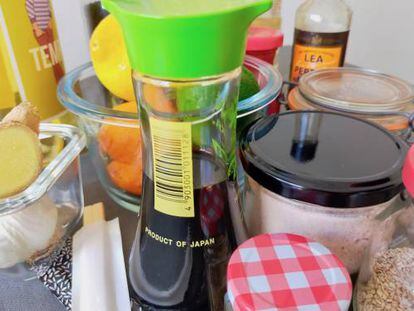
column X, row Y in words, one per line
column 323, row 175
column 380, row 98
column 386, row 280
column 263, row 43
column 286, row 272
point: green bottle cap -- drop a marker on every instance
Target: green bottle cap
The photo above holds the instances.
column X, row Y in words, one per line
column 185, row 39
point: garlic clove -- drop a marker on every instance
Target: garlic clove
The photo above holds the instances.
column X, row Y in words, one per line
column 26, row 232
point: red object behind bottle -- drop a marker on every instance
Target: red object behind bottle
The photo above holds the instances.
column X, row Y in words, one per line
column 263, row 42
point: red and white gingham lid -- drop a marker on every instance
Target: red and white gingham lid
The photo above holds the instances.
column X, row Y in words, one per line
column 287, row 272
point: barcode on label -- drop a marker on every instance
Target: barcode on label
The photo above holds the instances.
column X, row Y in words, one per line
column 173, row 167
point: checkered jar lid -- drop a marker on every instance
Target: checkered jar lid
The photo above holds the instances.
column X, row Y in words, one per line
column 287, row 272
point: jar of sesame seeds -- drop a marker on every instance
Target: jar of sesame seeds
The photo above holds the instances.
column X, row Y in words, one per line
column 386, row 279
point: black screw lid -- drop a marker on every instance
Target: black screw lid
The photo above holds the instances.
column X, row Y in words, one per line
column 324, row 158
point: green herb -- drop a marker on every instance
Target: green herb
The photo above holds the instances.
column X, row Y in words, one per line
column 198, row 99
column 248, row 84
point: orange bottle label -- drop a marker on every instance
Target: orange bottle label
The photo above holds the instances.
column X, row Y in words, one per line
column 309, row 58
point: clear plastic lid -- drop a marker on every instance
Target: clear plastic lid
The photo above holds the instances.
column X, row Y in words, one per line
column 396, row 121
column 356, row 90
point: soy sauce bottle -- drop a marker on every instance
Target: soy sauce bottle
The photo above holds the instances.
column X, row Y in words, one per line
column 186, row 57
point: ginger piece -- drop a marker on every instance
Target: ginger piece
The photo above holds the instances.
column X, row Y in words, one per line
column 26, row 114
column 20, row 158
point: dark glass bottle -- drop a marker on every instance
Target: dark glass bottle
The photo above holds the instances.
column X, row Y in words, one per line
column 321, row 36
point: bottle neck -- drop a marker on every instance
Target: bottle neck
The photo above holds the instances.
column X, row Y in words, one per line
column 323, row 16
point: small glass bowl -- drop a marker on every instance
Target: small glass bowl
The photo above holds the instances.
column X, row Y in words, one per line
column 81, row 93
column 35, row 223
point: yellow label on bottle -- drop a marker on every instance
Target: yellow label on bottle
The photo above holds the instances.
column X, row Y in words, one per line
column 173, row 167
column 30, row 56
column 309, row 58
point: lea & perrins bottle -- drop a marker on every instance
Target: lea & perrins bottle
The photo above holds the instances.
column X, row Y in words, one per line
column 321, row 36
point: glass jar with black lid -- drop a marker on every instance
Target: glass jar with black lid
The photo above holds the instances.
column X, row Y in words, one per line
column 324, row 175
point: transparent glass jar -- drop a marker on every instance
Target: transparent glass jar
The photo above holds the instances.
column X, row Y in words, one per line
column 304, row 177
column 386, row 279
column 35, row 223
column 370, row 95
column 185, row 235
column 97, row 111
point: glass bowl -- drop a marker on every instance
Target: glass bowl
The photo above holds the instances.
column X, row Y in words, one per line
column 35, row 223
column 81, row 93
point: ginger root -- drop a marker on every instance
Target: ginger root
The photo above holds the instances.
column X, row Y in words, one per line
column 26, row 114
column 20, row 152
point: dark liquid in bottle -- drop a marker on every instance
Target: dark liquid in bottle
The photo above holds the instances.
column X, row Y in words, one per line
column 180, row 263
column 317, row 50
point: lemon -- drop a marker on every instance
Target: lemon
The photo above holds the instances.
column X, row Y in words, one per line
column 110, row 59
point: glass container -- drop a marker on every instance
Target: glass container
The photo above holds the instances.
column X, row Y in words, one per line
column 186, row 64
column 321, row 36
column 270, row 82
column 81, row 92
column 315, row 174
column 380, row 98
column 35, row 222
column 386, row 279
column 186, row 168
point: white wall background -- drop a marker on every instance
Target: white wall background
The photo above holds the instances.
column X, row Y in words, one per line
column 382, row 34
column 71, row 32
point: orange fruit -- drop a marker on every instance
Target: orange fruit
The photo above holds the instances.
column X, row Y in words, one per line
column 126, row 176
column 121, row 143
column 110, row 59
column 123, row 147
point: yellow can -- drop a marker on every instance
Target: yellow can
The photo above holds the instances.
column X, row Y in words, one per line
column 30, row 56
